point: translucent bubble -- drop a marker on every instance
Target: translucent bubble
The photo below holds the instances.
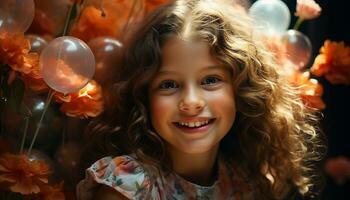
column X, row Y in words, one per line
column 298, row 48
column 37, row 43
column 105, row 50
column 49, row 16
column 67, row 64
column 16, row 15
column 270, row 16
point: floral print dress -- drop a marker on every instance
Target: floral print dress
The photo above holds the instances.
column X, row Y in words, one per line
column 138, row 181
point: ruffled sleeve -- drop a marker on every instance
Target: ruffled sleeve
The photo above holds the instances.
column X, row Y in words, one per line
column 123, row 173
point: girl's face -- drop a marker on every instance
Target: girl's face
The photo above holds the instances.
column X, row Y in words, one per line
column 192, row 103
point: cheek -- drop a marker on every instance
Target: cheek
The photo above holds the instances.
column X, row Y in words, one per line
column 222, row 104
column 222, row 100
column 160, row 107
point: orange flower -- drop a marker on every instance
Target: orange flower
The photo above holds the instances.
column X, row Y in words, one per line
column 34, row 80
column 307, row 9
column 22, row 175
column 91, row 25
column 14, row 51
column 87, row 102
column 105, row 18
column 309, row 89
column 333, row 62
column 48, row 192
column 36, row 85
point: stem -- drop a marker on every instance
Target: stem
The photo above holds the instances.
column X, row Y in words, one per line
column 298, row 23
column 27, row 117
column 24, row 134
column 47, row 103
column 66, row 23
column 130, row 15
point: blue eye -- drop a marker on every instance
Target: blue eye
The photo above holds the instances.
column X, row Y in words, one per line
column 211, row 80
column 165, row 85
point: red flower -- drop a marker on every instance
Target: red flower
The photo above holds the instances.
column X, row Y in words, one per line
column 338, row 168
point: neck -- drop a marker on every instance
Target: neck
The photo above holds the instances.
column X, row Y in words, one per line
column 197, row 168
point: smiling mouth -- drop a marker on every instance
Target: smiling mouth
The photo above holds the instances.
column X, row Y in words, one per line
column 194, row 125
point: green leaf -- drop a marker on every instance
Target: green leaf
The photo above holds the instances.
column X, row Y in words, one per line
column 16, row 94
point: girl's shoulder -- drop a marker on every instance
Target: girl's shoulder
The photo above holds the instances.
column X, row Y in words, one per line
column 123, row 173
column 136, row 180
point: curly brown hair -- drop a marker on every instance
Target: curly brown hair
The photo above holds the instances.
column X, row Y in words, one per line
column 274, row 137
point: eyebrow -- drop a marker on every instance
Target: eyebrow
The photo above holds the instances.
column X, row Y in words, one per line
column 165, row 72
column 211, row 67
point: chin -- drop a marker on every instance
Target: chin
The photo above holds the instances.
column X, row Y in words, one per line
column 197, row 149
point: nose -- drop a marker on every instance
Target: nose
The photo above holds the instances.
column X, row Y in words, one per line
column 192, row 102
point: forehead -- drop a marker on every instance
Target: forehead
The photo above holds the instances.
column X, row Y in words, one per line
column 186, row 53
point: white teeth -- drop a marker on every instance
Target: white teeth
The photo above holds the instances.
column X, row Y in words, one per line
column 194, row 124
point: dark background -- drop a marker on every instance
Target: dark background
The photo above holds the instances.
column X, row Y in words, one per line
column 333, row 24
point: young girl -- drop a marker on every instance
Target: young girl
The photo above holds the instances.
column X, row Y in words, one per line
column 198, row 111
